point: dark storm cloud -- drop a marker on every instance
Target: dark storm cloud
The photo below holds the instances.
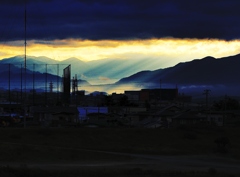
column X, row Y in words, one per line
column 120, row 19
column 21, row 1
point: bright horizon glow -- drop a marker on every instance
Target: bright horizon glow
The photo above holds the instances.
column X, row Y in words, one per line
column 170, row 50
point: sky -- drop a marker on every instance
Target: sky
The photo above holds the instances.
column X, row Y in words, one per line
column 169, row 30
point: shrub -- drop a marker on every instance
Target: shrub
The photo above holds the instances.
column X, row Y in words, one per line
column 212, row 171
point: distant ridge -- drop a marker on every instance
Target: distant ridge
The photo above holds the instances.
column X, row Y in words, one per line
column 11, row 70
column 109, row 69
column 221, row 75
column 207, row 70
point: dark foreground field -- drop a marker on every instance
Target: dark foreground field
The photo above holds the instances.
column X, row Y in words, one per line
column 119, row 152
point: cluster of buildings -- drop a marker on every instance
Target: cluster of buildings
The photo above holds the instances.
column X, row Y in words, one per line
column 147, row 108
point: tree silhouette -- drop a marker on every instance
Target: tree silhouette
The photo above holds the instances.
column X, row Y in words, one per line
column 226, row 104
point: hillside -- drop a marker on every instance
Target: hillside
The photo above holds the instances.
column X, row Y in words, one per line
column 209, row 70
column 39, row 71
column 102, row 71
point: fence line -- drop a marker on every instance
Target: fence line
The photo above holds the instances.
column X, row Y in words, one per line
column 38, row 78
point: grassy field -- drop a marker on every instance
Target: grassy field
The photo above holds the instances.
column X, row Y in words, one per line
column 20, row 147
column 134, row 172
column 181, row 141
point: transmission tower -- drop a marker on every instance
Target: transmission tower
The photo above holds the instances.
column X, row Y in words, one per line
column 51, row 87
column 75, row 84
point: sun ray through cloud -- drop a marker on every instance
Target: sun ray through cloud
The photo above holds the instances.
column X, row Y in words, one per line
column 169, row 50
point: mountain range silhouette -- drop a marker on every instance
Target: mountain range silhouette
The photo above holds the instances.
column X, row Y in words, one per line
column 220, row 74
column 209, row 71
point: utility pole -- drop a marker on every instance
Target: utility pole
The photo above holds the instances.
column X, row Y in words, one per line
column 160, row 90
column 33, row 90
column 9, row 83
column 225, row 108
column 206, row 92
column 25, row 60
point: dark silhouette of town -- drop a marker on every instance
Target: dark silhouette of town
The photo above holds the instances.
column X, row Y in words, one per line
column 67, row 106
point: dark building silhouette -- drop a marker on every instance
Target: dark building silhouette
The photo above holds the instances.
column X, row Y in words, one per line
column 166, row 94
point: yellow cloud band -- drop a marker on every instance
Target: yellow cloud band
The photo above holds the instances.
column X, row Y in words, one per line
column 170, row 49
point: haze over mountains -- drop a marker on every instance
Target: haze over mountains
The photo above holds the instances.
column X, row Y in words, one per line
column 200, row 71
column 222, row 75
column 103, row 71
column 219, row 75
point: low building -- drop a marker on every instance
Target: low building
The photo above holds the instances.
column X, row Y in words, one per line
column 162, row 94
column 55, row 116
column 133, row 96
column 188, row 118
column 83, row 112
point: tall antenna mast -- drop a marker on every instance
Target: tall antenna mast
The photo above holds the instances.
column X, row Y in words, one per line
column 25, row 37
column 25, row 59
